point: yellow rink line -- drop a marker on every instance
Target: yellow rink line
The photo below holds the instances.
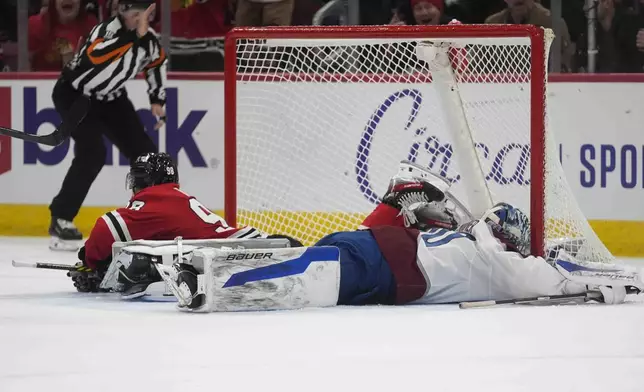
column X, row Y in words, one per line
column 623, row 238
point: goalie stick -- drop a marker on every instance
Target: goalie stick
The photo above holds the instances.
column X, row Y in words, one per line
column 592, row 295
column 543, row 300
column 52, row 266
column 76, row 114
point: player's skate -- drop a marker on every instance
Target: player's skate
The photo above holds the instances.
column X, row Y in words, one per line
column 64, row 235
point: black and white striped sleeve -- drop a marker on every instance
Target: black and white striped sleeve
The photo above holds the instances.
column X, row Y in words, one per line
column 156, row 71
column 117, row 226
column 104, row 47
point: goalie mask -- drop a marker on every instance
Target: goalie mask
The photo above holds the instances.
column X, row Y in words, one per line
column 152, row 169
column 511, row 226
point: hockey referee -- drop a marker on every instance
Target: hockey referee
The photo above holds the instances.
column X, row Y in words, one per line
column 115, row 52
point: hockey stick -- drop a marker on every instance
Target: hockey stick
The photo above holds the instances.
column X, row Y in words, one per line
column 76, row 114
column 587, row 296
column 62, row 267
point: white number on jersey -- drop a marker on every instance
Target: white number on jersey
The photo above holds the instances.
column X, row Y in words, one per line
column 136, row 205
column 208, row 216
column 199, row 209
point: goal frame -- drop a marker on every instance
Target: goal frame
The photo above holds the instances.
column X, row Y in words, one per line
column 537, row 95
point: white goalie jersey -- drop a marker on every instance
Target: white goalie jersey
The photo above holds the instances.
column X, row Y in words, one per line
column 472, row 267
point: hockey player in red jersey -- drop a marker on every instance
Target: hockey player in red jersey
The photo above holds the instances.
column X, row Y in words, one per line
column 158, row 210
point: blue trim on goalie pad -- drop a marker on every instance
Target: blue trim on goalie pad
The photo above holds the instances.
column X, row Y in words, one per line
column 571, row 267
column 286, row 268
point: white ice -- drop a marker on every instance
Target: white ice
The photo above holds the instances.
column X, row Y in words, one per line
column 55, row 339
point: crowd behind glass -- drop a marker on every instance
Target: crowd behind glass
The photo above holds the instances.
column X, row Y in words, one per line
column 55, row 27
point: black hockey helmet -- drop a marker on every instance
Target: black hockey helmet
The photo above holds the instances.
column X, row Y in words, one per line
column 152, row 169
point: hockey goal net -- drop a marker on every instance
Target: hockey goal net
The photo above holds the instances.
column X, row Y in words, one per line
column 318, row 119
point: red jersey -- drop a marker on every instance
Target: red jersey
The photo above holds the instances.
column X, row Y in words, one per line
column 398, row 246
column 160, row 212
column 204, row 19
column 48, row 37
column 383, row 215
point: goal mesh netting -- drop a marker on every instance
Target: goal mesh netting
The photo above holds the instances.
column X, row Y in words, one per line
column 318, row 119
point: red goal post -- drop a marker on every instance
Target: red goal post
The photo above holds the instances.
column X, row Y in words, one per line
column 287, row 70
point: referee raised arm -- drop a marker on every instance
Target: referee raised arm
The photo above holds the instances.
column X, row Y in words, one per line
column 116, row 51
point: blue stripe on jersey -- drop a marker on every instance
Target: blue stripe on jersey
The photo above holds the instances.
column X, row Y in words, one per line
column 286, row 268
column 438, row 237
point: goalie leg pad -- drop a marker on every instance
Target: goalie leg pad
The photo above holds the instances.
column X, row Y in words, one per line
column 270, row 279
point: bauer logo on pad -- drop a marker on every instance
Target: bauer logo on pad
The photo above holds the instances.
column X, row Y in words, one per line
column 249, row 256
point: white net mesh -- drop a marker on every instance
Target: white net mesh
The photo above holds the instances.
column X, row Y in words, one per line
column 322, row 125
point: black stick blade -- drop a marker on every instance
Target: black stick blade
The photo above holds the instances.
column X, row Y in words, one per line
column 73, row 118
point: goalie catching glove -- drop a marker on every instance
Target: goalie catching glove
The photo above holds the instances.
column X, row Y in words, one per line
column 613, row 281
column 421, row 204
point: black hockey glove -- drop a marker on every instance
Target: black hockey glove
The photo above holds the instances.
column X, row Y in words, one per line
column 86, row 280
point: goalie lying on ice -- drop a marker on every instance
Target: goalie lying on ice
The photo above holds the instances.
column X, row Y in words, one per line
column 485, row 259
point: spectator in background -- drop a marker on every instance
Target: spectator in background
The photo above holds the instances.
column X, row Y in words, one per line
column 201, row 19
column 196, row 28
column 9, row 31
column 473, row 11
column 304, row 11
column 264, row 12
column 107, row 9
column 8, row 36
column 55, row 33
column 574, row 13
column 615, row 30
column 420, row 12
column 638, row 12
column 529, row 12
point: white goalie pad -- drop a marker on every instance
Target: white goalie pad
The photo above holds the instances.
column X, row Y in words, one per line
column 164, row 248
column 168, row 252
column 269, row 279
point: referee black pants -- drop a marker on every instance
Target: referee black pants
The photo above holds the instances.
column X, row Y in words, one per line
column 118, row 121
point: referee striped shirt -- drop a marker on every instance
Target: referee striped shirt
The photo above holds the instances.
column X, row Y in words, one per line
column 113, row 55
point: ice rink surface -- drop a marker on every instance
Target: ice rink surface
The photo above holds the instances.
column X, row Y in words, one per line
column 55, row 339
